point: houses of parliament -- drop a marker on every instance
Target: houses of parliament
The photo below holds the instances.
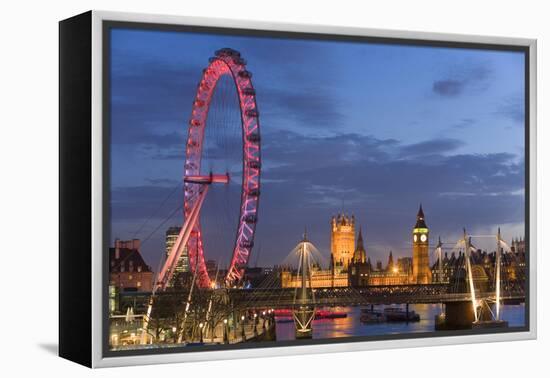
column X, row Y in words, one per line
column 350, row 265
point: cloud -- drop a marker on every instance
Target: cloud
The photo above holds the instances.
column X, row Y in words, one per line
column 149, row 102
column 309, row 108
column 269, row 51
column 287, row 148
column 141, row 202
column 162, row 181
column 288, row 86
column 512, row 108
column 431, row 147
column 464, row 123
column 150, row 140
column 461, row 79
column 448, row 88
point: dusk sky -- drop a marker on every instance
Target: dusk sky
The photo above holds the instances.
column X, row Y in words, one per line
column 369, row 128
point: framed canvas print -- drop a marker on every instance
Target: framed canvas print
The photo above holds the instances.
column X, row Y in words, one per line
column 235, row 189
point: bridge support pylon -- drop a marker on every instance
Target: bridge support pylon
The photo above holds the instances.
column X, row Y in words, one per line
column 303, row 322
column 303, row 312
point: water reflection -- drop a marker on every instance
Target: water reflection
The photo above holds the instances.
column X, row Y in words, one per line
column 352, row 326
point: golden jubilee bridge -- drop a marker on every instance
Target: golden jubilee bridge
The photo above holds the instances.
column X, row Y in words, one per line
column 374, row 295
column 284, row 298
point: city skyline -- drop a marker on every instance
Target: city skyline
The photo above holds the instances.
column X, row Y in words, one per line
column 373, row 139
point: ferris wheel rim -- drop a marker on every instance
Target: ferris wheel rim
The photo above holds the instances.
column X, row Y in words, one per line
column 226, row 62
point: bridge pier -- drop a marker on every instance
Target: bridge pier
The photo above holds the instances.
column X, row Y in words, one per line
column 458, row 315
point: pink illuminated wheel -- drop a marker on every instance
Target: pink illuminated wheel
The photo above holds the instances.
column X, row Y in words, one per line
column 225, row 62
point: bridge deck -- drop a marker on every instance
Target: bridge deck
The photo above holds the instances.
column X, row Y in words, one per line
column 345, row 296
column 284, row 298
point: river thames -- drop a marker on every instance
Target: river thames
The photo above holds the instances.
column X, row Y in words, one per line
column 352, row 326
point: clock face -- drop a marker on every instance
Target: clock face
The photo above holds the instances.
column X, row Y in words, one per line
column 423, row 238
column 415, row 237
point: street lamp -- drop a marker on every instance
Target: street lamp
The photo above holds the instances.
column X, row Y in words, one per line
column 242, row 328
column 225, row 332
column 255, row 323
column 200, row 328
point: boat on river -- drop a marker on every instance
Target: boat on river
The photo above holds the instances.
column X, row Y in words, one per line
column 389, row 314
column 369, row 317
column 396, row 314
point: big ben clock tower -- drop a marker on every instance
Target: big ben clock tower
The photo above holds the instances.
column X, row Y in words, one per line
column 421, row 250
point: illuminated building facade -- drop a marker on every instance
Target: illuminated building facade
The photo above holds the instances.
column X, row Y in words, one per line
column 444, row 272
column 518, row 245
column 170, row 239
column 360, row 254
column 342, row 241
column 451, row 267
column 360, row 267
column 387, row 277
column 319, row 278
column 405, row 270
column 363, row 274
column 343, row 251
column 351, row 265
column 127, row 269
column 404, row 264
